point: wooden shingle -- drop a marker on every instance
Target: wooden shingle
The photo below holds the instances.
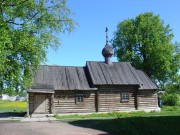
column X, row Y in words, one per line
column 99, row 73
column 62, row 78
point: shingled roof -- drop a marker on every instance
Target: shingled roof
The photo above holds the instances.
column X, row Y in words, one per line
column 94, row 74
column 115, row 74
column 118, row 73
column 63, row 78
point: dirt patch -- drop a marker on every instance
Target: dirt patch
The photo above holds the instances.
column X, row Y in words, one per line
column 45, row 128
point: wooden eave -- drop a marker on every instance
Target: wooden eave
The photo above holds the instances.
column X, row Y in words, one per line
column 40, row 91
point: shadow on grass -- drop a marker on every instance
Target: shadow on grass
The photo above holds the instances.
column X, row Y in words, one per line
column 161, row 125
column 12, row 114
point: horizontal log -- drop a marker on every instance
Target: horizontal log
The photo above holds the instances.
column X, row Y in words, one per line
column 87, row 107
column 152, row 100
column 112, row 95
column 118, row 103
column 117, row 109
column 73, row 110
column 114, row 102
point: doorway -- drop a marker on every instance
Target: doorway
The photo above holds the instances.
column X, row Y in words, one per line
column 40, row 103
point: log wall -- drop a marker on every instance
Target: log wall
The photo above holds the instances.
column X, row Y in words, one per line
column 109, row 99
column 147, row 99
column 31, row 103
column 106, row 99
column 64, row 102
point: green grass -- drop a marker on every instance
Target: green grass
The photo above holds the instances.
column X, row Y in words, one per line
column 12, row 106
column 166, row 122
column 165, row 111
column 154, row 125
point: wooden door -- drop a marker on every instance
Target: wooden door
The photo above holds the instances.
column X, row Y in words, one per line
column 40, row 104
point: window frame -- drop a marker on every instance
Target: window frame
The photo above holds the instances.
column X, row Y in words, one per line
column 125, row 97
column 79, row 98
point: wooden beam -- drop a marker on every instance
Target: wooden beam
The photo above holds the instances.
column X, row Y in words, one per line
column 97, row 101
column 28, row 104
column 52, row 104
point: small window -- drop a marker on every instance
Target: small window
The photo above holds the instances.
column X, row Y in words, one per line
column 79, row 98
column 124, row 97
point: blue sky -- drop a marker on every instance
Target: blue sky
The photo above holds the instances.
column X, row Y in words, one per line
column 92, row 16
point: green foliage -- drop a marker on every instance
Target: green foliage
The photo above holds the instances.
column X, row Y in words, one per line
column 27, row 29
column 170, row 108
column 146, row 42
column 172, row 99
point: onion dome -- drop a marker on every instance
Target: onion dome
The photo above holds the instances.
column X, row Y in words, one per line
column 107, row 51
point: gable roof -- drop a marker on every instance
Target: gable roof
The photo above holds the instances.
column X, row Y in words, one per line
column 118, row 73
column 144, row 80
column 94, row 74
column 63, row 78
column 115, row 74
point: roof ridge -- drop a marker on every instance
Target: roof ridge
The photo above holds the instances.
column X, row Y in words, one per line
column 62, row 66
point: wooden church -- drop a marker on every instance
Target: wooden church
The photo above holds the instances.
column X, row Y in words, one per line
column 104, row 86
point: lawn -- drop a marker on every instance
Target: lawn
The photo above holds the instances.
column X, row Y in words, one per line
column 165, row 111
column 13, row 106
column 166, row 122
column 153, row 125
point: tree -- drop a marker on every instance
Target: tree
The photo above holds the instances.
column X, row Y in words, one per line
column 27, row 29
column 146, row 42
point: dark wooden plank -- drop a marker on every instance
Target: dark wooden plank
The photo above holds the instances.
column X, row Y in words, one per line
column 70, row 81
column 57, row 81
column 94, row 73
column 91, row 73
column 130, row 73
column 146, row 84
column 99, row 72
column 62, row 78
column 153, row 85
column 115, row 74
column 51, row 75
column 39, row 75
column 97, row 101
column 143, row 86
column 121, row 73
column 82, row 78
column 134, row 71
column 75, row 78
column 55, row 77
column 118, row 72
column 45, row 73
column 106, row 75
column 110, row 73
column 126, row 74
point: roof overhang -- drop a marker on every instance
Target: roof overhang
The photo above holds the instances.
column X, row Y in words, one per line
column 84, row 89
column 40, row 91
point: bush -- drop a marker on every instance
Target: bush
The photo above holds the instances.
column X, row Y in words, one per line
column 171, row 99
